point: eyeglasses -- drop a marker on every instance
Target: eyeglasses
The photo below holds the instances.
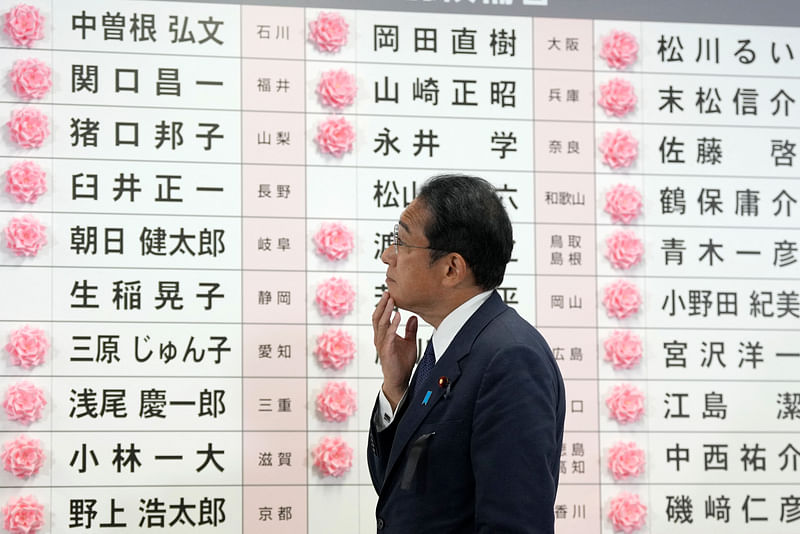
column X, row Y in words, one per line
column 395, row 240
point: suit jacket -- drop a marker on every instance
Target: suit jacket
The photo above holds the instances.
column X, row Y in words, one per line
column 483, row 455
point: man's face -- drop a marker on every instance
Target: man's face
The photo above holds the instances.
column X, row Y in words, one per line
column 412, row 281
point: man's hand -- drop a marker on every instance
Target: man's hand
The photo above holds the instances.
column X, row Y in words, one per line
column 397, row 354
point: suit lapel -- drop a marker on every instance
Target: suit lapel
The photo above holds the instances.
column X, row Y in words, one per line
column 448, row 365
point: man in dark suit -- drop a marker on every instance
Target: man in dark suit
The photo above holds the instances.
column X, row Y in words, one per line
column 473, row 442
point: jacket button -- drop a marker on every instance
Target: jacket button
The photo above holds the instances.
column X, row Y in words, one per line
column 380, row 523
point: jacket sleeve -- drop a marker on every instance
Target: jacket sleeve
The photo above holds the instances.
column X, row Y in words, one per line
column 379, row 445
column 516, row 441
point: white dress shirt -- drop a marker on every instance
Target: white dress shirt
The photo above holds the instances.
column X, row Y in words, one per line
column 442, row 337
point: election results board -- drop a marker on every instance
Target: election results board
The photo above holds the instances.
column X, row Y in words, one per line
column 196, row 197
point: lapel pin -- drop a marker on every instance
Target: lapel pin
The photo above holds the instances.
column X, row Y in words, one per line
column 444, row 383
column 427, row 397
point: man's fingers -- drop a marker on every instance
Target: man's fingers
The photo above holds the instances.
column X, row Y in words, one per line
column 395, row 322
column 411, row 328
column 380, row 308
column 385, row 318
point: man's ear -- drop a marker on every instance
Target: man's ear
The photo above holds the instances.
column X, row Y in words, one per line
column 456, row 270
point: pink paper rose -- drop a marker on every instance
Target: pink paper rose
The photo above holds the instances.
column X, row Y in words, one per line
column 27, row 346
column 619, row 149
column 336, row 402
column 335, row 136
column 621, row 299
column 617, row 97
column 626, row 513
column 335, row 297
column 623, row 203
column 625, row 460
column 337, row 88
column 623, row 349
column 25, row 235
column 25, row 181
column 334, row 241
column 625, row 403
column 24, row 402
column 30, row 78
column 335, row 349
column 328, row 32
column 22, row 457
column 23, row 515
column 333, row 457
column 624, row 249
column 619, row 49
column 28, row 127
column 24, row 24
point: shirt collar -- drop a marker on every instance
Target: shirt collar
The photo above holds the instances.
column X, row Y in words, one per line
column 450, row 325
